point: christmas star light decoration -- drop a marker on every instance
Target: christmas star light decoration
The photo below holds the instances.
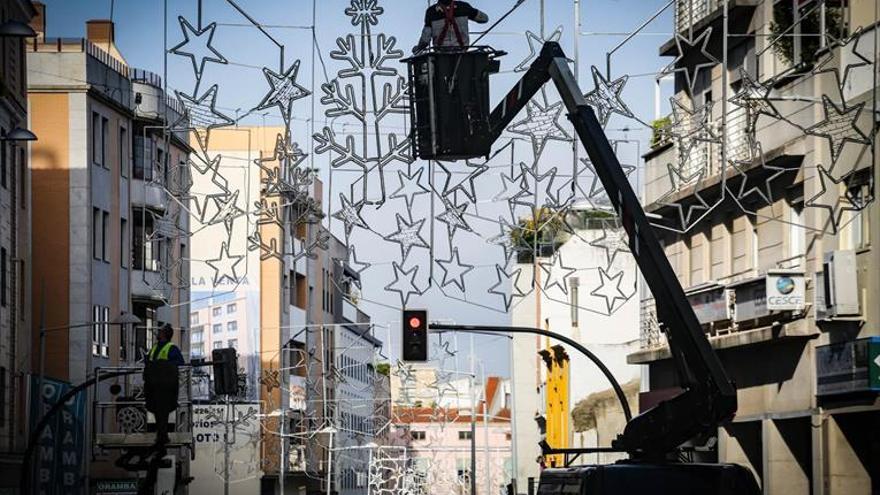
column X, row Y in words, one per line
column 200, row 116
column 536, row 42
column 755, row 98
column 557, row 273
column 285, row 90
column 410, row 187
column 839, row 127
column 504, row 240
column 754, row 181
column 510, row 182
column 541, row 125
column 531, row 184
column 466, row 184
column 454, row 271
column 453, row 217
column 838, row 204
column 695, row 50
column 407, row 235
column 614, row 240
column 404, row 284
column 350, row 215
column 609, row 289
column 225, row 266
column 605, row 98
column 196, row 43
column 685, row 213
column 504, row 277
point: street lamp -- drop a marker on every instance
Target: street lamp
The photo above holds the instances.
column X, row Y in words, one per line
column 16, row 29
column 19, row 134
column 124, row 318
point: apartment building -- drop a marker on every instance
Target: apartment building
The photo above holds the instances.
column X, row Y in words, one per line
column 440, row 443
column 15, row 219
column 585, row 290
column 774, row 239
column 88, row 247
column 293, row 278
column 159, row 224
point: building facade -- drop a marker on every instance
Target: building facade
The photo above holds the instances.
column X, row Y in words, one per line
column 15, row 242
column 779, row 258
column 600, row 311
column 88, row 247
column 444, row 444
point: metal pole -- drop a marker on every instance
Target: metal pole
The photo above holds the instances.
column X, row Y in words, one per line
column 226, row 448
column 488, row 467
column 283, row 443
column 330, row 463
column 473, row 473
column 42, row 340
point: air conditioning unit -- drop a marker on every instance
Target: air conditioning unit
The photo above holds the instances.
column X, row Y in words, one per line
column 838, row 285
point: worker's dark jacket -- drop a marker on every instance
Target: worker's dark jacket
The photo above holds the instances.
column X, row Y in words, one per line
column 160, row 378
column 443, row 33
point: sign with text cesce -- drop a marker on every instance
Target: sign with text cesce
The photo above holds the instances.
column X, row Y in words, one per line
column 785, row 290
column 60, row 452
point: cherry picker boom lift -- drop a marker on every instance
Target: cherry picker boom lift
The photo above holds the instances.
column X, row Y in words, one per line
column 449, row 106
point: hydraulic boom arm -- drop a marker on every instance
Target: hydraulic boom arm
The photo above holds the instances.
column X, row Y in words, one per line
column 709, row 397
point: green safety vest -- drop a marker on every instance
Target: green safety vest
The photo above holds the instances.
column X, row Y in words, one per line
column 157, row 354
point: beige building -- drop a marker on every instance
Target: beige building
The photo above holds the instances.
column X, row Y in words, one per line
column 15, row 219
column 780, row 260
column 97, row 247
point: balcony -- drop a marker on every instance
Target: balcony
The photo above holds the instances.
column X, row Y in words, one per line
column 749, row 311
column 697, row 15
column 121, row 420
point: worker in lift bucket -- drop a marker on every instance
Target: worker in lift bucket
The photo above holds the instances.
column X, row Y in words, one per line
column 446, row 25
column 161, row 381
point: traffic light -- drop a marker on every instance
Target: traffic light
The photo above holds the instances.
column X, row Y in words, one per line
column 225, row 371
column 415, row 335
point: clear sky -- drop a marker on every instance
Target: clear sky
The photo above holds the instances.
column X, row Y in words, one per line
column 141, row 29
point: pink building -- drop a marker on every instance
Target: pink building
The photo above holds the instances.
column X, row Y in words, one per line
column 441, row 439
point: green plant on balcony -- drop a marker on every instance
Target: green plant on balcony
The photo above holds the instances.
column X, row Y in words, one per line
column 660, row 134
column 782, row 30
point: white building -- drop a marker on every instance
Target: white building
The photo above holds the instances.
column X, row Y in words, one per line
column 586, row 289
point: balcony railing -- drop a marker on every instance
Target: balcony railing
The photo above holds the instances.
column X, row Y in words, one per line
column 690, row 12
column 121, row 419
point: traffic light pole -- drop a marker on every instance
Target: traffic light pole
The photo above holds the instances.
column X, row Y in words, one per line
column 618, row 391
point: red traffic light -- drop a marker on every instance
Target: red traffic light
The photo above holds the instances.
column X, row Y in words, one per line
column 415, row 322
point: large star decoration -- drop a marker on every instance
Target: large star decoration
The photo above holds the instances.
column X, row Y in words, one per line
column 453, row 217
column 686, row 213
column 609, row 289
column 535, row 43
column 504, row 240
column 605, row 98
column 695, row 51
column 530, row 185
column 755, row 98
column 407, row 235
column 410, row 187
column 284, row 91
column 839, row 127
column 505, row 277
column 753, row 182
column 614, row 240
column 454, row 270
column 837, row 204
column 350, row 215
column 404, row 283
column 557, row 274
column 200, row 116
column 225, row 266
column 541, row 125
column 200, row 39
column 466, row 184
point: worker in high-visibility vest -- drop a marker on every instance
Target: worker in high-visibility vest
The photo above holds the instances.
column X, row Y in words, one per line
column 160, row 381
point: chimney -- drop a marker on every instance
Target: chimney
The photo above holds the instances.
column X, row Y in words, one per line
column 100, row 32
column 38, row 22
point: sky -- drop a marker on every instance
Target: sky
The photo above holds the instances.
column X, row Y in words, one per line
column 145, row 28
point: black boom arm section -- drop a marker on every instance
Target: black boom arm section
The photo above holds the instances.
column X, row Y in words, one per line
column 709, row 397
